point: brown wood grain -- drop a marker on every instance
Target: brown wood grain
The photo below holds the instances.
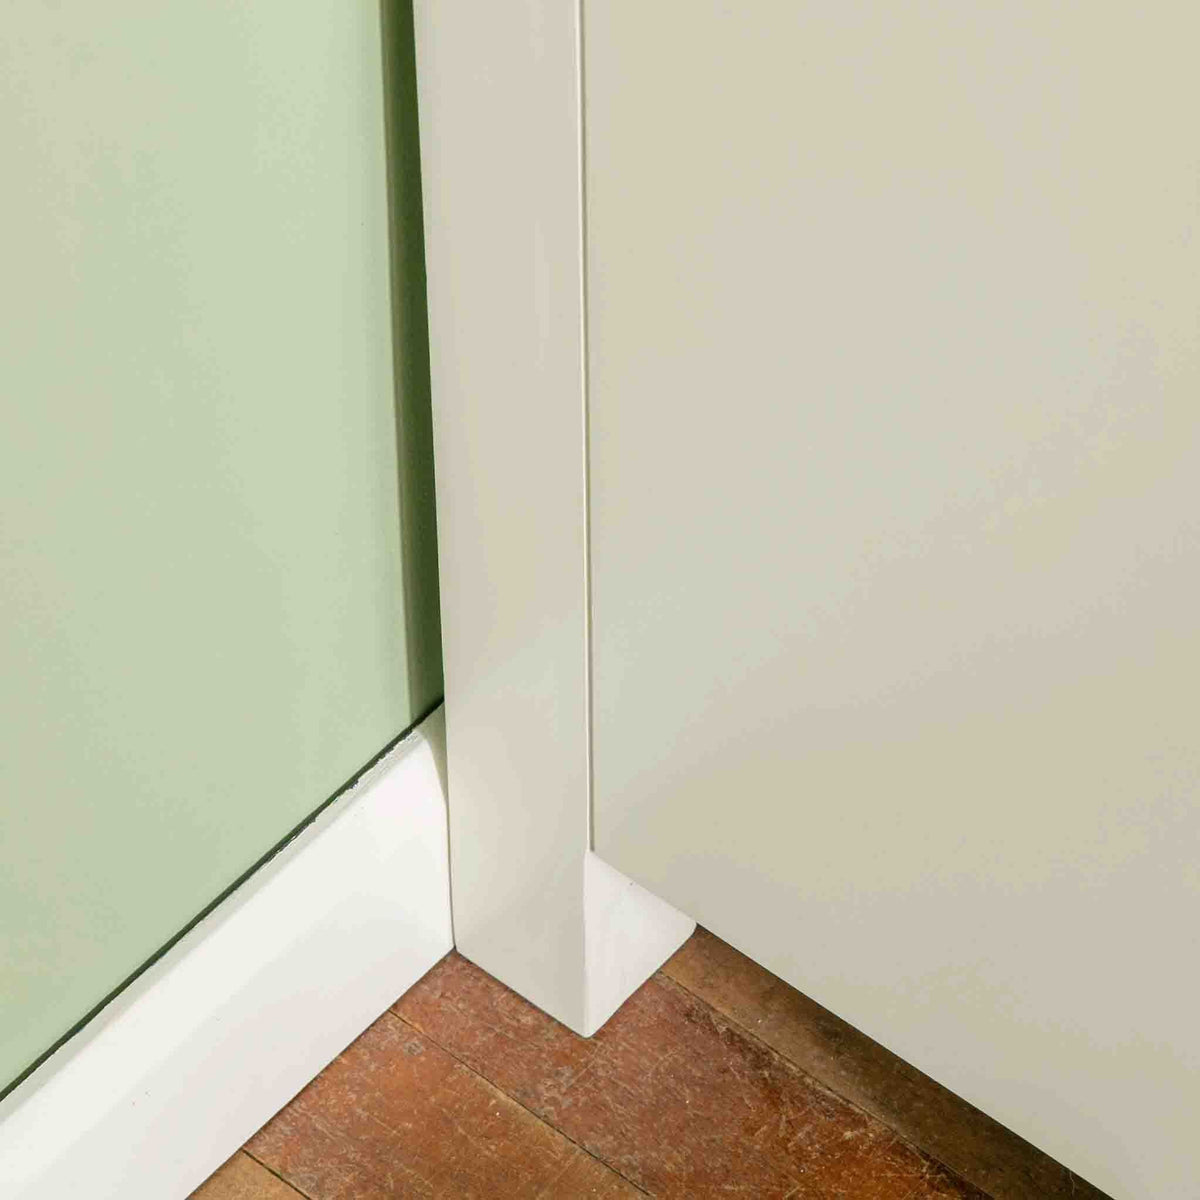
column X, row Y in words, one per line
column 715, row 1079
column 946, row 1127
column 241, row 1178
column 673, row 1096
column 396, row 1115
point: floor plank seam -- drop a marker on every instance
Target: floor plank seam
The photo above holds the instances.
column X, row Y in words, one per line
column 821, row 1084
column 271, row 1170
column 520, row 1104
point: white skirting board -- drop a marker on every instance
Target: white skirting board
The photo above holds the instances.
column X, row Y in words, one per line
column 195, row 1055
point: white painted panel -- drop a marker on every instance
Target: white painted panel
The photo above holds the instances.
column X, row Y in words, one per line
column 894, row 345
column 198, row 1052
column 501, row 172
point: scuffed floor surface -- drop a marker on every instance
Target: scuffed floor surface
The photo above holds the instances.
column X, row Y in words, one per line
column 714, row 1079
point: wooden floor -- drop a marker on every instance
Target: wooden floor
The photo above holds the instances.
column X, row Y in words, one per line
column 714, row 1079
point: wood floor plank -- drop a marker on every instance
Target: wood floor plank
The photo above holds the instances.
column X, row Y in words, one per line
column 396, row 1115
column 526, row 1054
column 946, row 1127
column 715, row 1079
column 674, row 1096
column 241, row 1178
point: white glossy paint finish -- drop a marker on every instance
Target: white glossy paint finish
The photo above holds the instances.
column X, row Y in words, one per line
column 195, row 1055
column 499, row 118
column 894, row 328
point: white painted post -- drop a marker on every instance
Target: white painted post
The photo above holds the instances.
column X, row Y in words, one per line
column 499, row 98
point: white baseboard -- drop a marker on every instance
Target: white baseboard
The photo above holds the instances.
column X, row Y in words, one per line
column 196, row 1054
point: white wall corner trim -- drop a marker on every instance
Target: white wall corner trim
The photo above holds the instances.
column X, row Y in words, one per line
column 501, row 163
column 196, row 1054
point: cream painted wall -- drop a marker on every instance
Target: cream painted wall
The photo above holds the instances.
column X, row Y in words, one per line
column 894, row 321
column 219, row 593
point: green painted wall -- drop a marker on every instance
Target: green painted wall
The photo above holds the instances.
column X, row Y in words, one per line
column 219, row 591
